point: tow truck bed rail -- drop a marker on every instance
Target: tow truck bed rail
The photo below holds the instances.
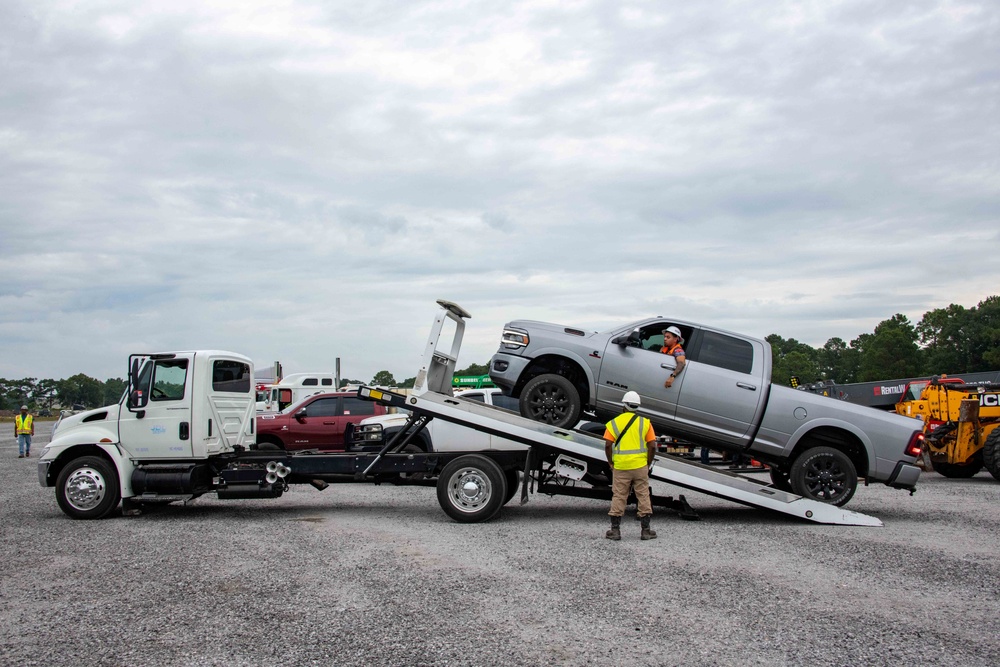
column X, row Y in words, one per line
column 577, row 456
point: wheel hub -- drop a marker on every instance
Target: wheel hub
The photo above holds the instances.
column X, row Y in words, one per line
column 470, row 490
column 85, row 489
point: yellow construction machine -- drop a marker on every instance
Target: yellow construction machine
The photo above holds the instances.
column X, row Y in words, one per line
column 960, row 424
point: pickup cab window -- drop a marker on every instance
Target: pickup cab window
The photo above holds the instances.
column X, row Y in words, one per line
column 324, row 407
column 724, row 351
column 355, row 406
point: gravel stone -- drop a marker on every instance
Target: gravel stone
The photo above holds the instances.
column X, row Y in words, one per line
column 379, row 575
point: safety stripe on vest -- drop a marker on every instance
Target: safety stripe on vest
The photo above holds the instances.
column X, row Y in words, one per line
column 642, row 445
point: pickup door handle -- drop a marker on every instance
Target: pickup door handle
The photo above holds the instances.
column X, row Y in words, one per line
column 744, row 385
column 668, row 366
column 329, row 423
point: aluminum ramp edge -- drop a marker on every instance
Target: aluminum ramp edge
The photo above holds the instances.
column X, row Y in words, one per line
column 731, row 486
column 666, row 468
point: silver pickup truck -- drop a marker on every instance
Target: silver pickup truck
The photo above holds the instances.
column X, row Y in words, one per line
column 815, row 446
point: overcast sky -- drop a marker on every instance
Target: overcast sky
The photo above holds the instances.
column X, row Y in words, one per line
column 300, row 181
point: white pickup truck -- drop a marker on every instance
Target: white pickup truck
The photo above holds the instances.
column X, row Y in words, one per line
column 439, row 435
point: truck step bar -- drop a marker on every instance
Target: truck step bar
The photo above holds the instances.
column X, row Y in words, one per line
column 581, row 452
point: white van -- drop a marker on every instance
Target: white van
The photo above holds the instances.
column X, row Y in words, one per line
column 292, row 388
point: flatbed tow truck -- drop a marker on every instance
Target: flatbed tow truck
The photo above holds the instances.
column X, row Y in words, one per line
column 129, row 452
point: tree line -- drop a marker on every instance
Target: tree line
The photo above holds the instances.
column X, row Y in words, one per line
column 45, row 395
column 952, row 340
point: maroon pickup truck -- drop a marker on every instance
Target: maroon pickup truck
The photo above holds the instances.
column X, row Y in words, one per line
column 315, row 422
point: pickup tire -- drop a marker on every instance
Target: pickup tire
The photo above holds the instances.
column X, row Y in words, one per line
column 551, row 399
column 270, row 443
column 471, row 489
column 957, row 470
column 824, row 474
column 779, row 479
column 991, row 453
column 87, row 488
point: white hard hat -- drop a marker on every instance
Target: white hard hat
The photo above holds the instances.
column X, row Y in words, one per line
column 674, row 330
column 24, row 407
column 631, row 399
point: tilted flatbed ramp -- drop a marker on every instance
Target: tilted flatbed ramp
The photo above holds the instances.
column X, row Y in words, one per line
column 589, row 448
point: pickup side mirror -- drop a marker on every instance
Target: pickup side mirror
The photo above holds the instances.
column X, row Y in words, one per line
column 632, row 339
column 301, row 414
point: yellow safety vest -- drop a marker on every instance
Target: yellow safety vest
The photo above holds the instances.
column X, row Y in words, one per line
column 24, row 427
column 630, row 452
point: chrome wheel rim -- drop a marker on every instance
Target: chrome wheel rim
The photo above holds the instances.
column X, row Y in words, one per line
column 469, row 489
column 85, row 489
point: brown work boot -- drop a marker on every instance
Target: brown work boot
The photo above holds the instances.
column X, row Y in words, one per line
column 647, row 532
column 615, row 533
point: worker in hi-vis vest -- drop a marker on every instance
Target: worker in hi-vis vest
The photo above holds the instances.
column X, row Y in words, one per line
column 24, row 428
column 630, row 444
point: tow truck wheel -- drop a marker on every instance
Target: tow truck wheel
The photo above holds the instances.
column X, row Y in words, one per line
column 471, row 489
column 87, row 488
column 991, row 452
column 551, row 399
column 824, row 474
column 957, row 470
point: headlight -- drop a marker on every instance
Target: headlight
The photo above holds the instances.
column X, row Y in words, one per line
column 368, row 433
column 514, row 338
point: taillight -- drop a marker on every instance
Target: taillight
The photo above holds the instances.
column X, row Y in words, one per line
column 916, row 444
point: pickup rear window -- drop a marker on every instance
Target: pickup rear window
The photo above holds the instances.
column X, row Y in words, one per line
column 726, row 352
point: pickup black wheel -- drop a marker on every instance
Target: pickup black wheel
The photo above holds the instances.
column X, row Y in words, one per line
column 779, row 479
column 991, row 453
column 824, row 474
column 471, row 489
column 87, row 488
column 269, row 443
column 551, row 399
column 958, row 470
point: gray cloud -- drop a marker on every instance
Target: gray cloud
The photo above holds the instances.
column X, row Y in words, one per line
column 300, row 182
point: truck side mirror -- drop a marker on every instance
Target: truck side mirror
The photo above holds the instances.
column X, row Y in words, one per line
column 301, row 413
column 631, row 339
column 137, row 399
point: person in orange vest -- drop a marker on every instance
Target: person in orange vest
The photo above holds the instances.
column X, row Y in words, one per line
column 672, row 345
column 629, row 445
column 24, row 428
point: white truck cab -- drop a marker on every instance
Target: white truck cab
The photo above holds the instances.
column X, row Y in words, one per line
column 181, row 407
column 293, row 388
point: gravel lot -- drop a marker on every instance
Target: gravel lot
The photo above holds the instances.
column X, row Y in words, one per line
column 366, row 575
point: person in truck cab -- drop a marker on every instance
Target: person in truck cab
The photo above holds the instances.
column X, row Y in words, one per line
column 672, row 345
column 629, row 445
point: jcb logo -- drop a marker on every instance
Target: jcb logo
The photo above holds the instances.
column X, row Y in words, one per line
column 989, row 400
